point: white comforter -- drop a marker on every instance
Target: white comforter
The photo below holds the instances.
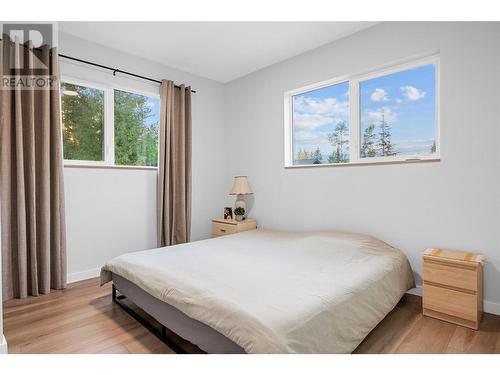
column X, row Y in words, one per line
column 276, row 292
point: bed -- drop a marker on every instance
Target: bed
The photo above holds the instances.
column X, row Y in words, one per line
column 265, row 291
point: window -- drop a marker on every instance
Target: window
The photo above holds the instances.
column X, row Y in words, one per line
column 109, row 127
column 82, row 122
column 390, row 115
column 321, row 125
column 137, row 125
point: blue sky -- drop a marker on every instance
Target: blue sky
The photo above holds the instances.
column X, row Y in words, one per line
column 406, row 99
column 316, row 113
column 154, row 118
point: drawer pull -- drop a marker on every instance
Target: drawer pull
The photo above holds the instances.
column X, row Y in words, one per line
column 222, row 230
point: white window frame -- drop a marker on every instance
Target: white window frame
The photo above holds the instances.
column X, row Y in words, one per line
column 355, row 115
column 137, row 92
column 109, row 124
column 104, row 89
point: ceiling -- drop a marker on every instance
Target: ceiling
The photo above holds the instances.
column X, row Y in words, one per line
column 222, row 51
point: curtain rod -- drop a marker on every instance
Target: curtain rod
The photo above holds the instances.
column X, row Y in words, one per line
column 114, row 70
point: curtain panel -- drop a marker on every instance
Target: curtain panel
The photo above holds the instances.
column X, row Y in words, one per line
column 31, row 173
column 174, row 176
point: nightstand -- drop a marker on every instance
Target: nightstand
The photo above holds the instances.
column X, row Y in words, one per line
column 453, row 286
column 221, row 227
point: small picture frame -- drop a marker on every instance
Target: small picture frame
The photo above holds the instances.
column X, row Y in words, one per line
column 228, row 213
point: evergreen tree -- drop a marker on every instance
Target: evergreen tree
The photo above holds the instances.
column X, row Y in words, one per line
column 338, row 139
column 83, row 123
column 136, row 142
column 385, row 145
column 300, row 154
column 368, row 149
column 136, row 138
column 433, row 147
column 317, row 155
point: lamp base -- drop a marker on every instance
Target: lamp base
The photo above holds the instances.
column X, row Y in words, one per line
column 240, row 202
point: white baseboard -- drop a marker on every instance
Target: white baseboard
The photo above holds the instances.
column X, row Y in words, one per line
column 416, row 291
column 3, row 345
column 83, row 275
column 489, row 306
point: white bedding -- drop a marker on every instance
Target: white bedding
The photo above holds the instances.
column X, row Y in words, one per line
column 276, row 292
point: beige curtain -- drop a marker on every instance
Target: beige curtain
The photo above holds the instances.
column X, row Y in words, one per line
column 31, row 187
column 174, row 178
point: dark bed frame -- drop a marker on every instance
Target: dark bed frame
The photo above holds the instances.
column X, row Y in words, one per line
column 164, row 334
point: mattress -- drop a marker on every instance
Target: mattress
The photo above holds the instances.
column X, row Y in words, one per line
column 276, row 292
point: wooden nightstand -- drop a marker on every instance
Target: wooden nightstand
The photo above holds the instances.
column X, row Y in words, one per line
column 221, row 227
column 453, row 286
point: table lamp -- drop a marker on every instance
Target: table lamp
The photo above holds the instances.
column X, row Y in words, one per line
column 240, row 188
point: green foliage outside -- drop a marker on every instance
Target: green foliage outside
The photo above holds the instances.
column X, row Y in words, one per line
column 373, row 144
column 368, row 147
column 83, row 122
column 339, row 139
column 136, row 138
column 305, row 155
column 386, row 147
column 433, row 147
column 136, row 126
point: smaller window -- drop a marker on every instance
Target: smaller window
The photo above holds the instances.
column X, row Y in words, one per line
column 82, row 122
column 386, row 116
column 137, row 124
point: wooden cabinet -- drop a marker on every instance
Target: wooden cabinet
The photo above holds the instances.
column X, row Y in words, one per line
column 221, row 227
column 453, row 286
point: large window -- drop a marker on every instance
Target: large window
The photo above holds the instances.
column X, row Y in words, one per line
column 389, row 115
column 106, row 126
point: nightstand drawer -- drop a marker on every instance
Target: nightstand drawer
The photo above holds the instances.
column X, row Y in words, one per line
column 457, row 276
column 220, row 229
column 451, row 302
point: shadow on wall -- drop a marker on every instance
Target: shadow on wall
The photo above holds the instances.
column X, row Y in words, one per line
column 249, row 200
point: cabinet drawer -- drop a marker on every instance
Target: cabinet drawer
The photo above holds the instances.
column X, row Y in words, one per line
column 451, row 302
column 453, row 275
column 220, row 229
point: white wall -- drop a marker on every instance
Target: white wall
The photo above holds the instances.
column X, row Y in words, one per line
column 453, row 203
column 112, row 211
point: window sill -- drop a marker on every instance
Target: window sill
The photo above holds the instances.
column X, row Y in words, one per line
column 361, row 163
column 107, row 166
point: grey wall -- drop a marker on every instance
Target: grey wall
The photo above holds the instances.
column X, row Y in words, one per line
column 453, row 203
column 112, row 211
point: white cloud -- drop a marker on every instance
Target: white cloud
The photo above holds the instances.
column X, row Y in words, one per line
column 327, row 106
column 414, row 146
column 307, row 121
column 412, row 93
column 311, row 138
column 399, row 100
column 379, row 95
column 373, row 117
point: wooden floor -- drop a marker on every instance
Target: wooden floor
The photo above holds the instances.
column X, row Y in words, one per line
column 82, row 319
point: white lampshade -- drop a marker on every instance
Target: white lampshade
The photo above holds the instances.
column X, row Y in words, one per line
column 241, row 186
